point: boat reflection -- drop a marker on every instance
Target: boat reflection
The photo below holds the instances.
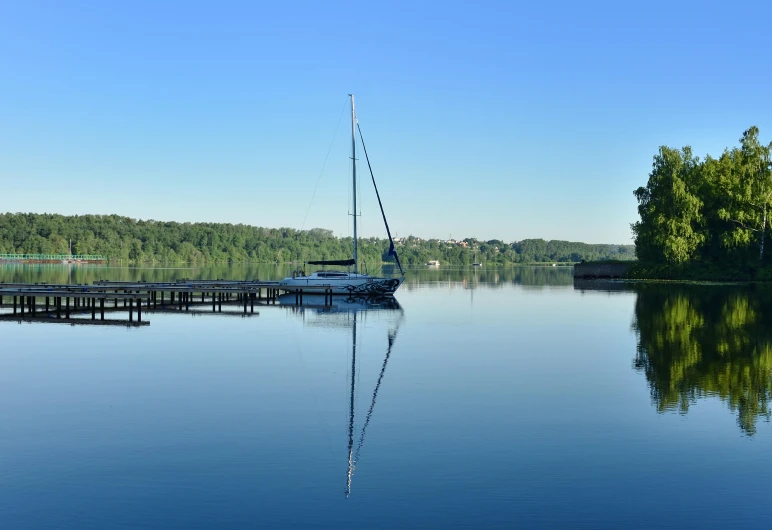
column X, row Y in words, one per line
column 316, row 305
column 348, row 313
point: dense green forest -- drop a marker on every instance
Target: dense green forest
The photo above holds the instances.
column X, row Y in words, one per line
column 136, row 241
column 706, row 218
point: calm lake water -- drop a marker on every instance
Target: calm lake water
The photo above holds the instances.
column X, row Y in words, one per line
column 508, row 398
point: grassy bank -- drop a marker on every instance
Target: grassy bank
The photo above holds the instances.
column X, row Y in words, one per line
column 701, row 271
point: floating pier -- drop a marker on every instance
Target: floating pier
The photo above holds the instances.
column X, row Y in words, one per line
column 70, row 302
column 55, row 304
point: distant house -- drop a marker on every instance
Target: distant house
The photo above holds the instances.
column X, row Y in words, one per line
column 463, row 244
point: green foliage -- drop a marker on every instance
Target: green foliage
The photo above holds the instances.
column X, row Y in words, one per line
column 147, row 242
column 670, row 209
column 714, row 210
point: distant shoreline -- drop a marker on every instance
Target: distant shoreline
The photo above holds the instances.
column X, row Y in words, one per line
column 700, row 272
column 134, row 241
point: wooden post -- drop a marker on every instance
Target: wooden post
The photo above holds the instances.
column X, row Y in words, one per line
column 47, row 304
column 131, row 310
column 102, row 308
column 92, row 303
column 214, row 302
column 22, row 304
column 219, row 304
column 67, row 308
column 252, row 301
column 187, row 301
column 139, row 309
column 32, row 305
column 14, row 305
column 58, row 307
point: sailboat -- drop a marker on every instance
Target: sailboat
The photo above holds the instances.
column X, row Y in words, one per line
column 348, row 282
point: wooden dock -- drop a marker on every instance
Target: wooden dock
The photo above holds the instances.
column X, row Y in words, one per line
column 43, row 302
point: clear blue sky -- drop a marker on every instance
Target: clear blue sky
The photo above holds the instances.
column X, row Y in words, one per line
column 487, row 119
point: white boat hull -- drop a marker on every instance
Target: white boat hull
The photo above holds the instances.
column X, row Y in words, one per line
column 354, row 285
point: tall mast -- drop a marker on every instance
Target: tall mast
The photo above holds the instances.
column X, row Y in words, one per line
column 354, row 180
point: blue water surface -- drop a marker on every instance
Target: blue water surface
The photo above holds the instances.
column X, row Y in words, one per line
column 505, row 402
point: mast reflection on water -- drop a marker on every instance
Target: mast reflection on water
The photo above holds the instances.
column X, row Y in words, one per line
column 351, row 311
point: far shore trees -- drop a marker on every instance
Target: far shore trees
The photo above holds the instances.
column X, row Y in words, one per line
column 126, row 240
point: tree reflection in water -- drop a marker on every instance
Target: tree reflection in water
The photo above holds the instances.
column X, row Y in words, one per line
column 696, row 341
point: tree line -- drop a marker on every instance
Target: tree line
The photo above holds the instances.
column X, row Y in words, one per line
column 711, row 213
column 134, row 241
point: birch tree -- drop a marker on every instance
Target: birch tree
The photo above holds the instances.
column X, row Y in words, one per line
column 747, row 184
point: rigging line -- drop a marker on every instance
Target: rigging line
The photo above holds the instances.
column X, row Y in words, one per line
column 319, row 178
column 392, row 338
column 392, row 250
